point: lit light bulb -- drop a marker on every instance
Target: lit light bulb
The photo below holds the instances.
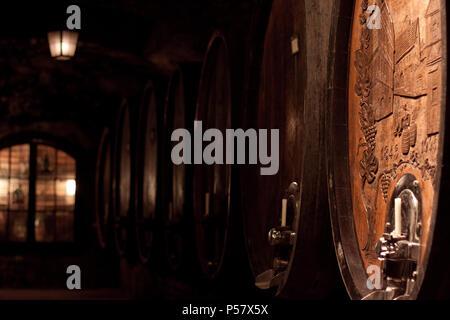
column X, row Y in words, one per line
column 64, row 48
column 71, row 187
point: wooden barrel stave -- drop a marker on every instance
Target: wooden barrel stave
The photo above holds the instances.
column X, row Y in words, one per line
column 148, row 171
column 122, row 183
column 178, row 182
column 212, row 183
column 281, row 97
column 103, row 184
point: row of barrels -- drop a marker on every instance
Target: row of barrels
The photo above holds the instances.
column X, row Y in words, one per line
column 362, row 179
column 136, row 180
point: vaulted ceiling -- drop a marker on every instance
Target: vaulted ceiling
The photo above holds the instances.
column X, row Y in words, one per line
column 177, row 29
column 122, row 44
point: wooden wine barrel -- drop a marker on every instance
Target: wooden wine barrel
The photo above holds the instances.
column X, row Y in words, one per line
column 122, row 178
column 148, row 164
column 286, row 217
column 103, row 184
column 179, row 236
column 212, row 182
column 388, row 182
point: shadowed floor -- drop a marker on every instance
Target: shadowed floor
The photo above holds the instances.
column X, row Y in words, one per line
column 31, row 294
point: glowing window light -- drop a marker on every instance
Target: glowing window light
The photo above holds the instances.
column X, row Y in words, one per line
column 71, row 187
column 4, row 185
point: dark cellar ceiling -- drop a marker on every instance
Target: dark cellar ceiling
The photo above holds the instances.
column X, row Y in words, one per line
column 125, row 25
column 122, row 44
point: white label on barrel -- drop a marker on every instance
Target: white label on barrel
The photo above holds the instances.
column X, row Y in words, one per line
column 294, row 45
column 283, row 212
column 207, row 204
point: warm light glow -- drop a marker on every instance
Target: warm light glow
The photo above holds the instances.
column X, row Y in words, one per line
column 63, row 44
column 71, row 187
column 4, row 185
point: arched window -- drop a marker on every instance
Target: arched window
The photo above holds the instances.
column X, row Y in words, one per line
column 37, row 194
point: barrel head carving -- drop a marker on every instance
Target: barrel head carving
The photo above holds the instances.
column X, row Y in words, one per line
column 395, row 85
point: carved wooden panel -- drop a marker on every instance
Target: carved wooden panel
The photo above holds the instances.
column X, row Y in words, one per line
column 395, row 82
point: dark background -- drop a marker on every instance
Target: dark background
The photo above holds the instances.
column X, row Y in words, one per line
column 122, row 45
